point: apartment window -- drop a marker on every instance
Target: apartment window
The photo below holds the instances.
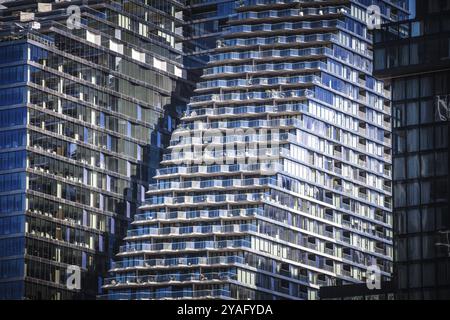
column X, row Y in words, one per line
column 412, row 113
column 413, row 167
column 429, row 274
column 427, row 165
column 413, row 140
column 442, row 163
column 415, row 275
column 429, row 245
column 401, row 221
column 427, row 112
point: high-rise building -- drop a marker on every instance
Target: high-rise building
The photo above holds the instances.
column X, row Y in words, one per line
column 414, row 58
column 278, row 180
column 89, row 93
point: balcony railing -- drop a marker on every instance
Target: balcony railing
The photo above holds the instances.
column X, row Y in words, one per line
column 178, row 262
column 191, row 230
column 169, row 294
column 169, row 278
column 184, row 245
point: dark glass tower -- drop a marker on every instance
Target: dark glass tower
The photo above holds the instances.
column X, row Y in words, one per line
column 303, row 198
column 415, row 57
column 85, row 112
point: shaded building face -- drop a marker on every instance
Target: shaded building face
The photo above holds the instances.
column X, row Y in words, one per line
column 414, row 57
column 84, row 113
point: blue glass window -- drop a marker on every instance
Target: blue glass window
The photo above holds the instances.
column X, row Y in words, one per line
column 12, row 53
column 12, row 181
column 11, row 96
column 12, row 247
column 11, row 203
column 13, row 117
column 324, row 95
column 11, row 225
column 9, row 75
column 12, row 139
column 12, row 160
column 11, row 268
column 11, row 290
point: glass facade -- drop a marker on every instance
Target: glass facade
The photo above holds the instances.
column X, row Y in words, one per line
column 303, row 198
column 204, row 25
column 420, row 88
column 85, row 113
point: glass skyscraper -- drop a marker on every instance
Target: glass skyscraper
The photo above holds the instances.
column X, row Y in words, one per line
column 414, row 56
column 87, row 103
column 278, row 179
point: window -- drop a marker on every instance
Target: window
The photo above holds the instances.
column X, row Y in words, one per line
column 413, row 140
column 12, row 96
column 427, row 165
column 12, row 53
column 428, row 219
column 441, row 163
column 413, row 221
column 427, row 113
column 426, row 138
column 10, row 75
column 429, row 274
column 413, row 167
column 414, row 248
column 412, row 113
column 429, row 245
column 415, row 275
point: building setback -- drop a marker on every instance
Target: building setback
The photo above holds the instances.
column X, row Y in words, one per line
column 414, row 58
column 303, row 198
column 84, row 114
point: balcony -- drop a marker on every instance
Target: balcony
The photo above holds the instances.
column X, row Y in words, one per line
column 183, row 246
column 169, row 294
column 199, row 214
column 191, row 230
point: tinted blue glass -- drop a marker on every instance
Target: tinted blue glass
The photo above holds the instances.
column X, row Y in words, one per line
column 11, row 96
column 226, row 8
column 12, row 139
column 11, row 225
column 12, row 247
column 14, row 74
column 12, row 53
column 12, row 160
column 11, row 290
column 12, row 181
column 37, row 54
column 11, row 203
column 324, row 95
column 11, row 268
column 13, row 117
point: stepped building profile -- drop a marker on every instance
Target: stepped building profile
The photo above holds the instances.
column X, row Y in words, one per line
column 278, row 179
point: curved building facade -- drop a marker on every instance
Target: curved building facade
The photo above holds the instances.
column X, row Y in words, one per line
column 278, row 180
